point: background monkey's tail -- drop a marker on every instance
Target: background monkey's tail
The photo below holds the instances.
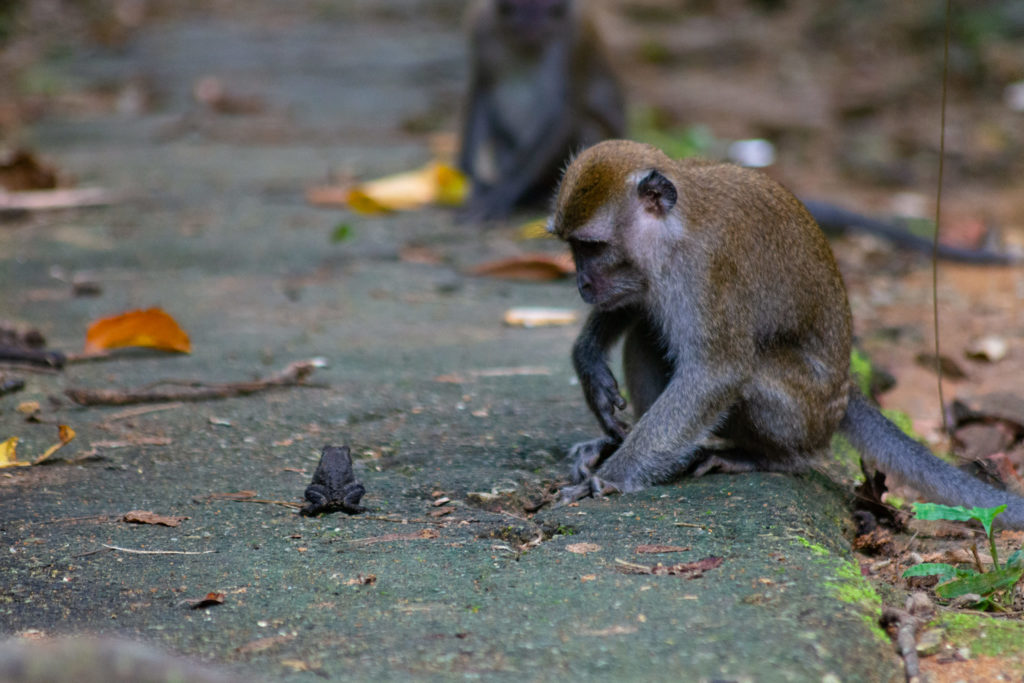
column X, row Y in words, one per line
column 884, row 446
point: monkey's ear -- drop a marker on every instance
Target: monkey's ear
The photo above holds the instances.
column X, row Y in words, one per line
column 657, row 193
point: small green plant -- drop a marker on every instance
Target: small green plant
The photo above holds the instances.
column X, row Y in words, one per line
column 994, row 586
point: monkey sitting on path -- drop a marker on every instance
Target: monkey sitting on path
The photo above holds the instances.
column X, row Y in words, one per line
column 540, row 88
column 737, row 331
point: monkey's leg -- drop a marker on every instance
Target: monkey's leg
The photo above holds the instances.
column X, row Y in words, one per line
column 646, row 369
column 785, row 418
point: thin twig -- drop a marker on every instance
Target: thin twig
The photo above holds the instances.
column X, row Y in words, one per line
column 63, row 198
column 284, row 503
column 293, row 375
column 142, row 410
column 158, row 552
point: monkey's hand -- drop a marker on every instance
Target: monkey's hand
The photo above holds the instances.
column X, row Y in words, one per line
column 591, row 486
column 601, row 392
column 587, row 456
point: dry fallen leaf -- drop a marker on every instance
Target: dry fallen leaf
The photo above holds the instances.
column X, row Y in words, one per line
column 151, row 328
column 147, row 517
column 21, row 170
column 582, row 548
column 361, row 580
column 210, row 600
column 533, row 267
column 65, row 434
column 539, row 316
column 434, row 183
column 28, row 407
column 9, row 455
column 686, row 570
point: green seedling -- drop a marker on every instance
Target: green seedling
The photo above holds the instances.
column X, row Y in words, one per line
column 956, row 581
column 342, row 233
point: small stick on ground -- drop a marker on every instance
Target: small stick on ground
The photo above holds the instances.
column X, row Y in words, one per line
column 158, row 552
column 49, row 359
column 65, row 198
column 294, row 374
column 265, row 501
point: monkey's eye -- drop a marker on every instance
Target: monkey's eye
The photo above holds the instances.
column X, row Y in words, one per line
column 586, row 250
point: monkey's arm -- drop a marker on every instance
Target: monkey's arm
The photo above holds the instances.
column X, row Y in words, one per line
column 884, row 446
column 589, row 358
column 666, row 438
column 833, row 218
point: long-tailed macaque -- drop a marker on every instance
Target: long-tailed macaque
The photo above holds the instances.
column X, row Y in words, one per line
column 737, row 331
column 540, row 89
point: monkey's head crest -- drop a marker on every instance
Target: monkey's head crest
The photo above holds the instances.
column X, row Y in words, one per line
column 599, row 176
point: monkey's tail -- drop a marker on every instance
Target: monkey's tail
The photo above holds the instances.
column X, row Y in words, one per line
column 884, row 446
column 836, row 218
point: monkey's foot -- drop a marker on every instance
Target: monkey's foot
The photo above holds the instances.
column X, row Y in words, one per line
column 587, row 456
column 591, row 486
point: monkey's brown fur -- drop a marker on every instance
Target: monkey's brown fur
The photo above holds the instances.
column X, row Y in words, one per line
column 737, row 330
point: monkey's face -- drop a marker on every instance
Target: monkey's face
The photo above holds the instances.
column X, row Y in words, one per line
column 532, row 23
column 605, row 276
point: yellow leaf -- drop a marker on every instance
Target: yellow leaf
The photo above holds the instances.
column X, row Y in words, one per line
column 432, row 184
column 65, row 434
column 9, row 455
column 452, row 185
column 152, row 328
column 535, row 229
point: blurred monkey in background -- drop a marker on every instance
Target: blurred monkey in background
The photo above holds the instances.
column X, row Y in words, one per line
column 541, row 88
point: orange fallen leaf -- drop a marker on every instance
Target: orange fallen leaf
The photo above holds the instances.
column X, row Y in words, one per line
column 65, row 434
column 151, row 328
column 533, row 267
column 9, row 455
column 434, row 183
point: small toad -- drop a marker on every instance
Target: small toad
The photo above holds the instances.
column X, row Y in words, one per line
column 334, row 486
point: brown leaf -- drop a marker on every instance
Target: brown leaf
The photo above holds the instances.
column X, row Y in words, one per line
column 582, row 548
column 229, row 495
column 441, row 512
column 65, row 434
column 950, row 368
column 151, row 328
column 147, row 517
column 361, row 580
column 20, row 170
column 685, row 570
column 421, row 255
column 211, row 600
column 654, row 549
column 533, row 267
column 262, row 644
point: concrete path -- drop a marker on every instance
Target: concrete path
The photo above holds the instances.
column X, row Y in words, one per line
column 217, row 232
